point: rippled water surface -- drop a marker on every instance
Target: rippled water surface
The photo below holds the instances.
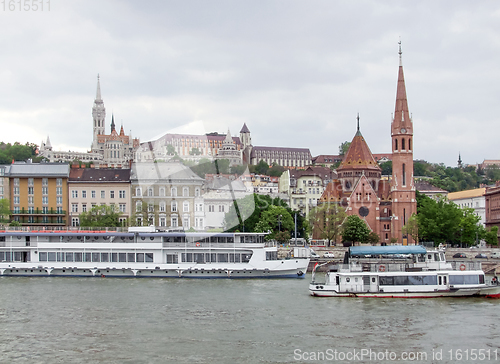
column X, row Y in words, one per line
column 102, row 320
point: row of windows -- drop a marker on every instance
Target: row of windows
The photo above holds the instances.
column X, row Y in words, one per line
column 403, row 144
column 94, row 257
column 150, row 192
column 45, row 200
column 215, row 257
column 121, row 194
column 45, row 181
column 162, row 206
column 31, row 190
column 429, row 280
column 75, row 207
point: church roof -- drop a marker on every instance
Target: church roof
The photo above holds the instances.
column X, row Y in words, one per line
column 244, row 129
column 359, row 155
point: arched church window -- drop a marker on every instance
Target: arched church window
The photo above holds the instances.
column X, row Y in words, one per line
column 404, row 174
column 347, row 185
column 395, row 144
column 403, row 144
column 409, row 143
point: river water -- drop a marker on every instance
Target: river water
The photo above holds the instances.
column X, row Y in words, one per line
column 105, row 320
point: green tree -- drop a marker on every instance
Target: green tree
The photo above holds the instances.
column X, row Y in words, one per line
column 326, row 221
column 344, row 147
column 282, row 237
column 491, row 236
column 171, row 149
column 262, row 167
column 355, row 230
column 100, row 216
column 276, row 170
column 373, row 238
column 274, row 219
column 195, row 151
column 411, row 228
column 386, row 168
column 4, row 210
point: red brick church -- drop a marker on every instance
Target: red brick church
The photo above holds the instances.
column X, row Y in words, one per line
column 385, row 204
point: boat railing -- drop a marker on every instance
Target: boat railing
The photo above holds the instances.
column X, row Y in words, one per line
column 466, row 265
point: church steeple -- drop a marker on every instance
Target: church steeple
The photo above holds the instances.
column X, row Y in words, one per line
column 112, row 122
column 402, row 186
column 98, row 116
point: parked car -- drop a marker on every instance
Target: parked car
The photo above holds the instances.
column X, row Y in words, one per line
column 460, row 255
column 328, row 255
column 481, row 256
column 495, row 255
column 314, row 256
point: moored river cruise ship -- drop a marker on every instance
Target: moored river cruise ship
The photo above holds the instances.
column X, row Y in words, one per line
column 401, row 271
column 144, row 253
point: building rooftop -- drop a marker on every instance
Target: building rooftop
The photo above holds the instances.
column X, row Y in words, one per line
column 23, row 169
column 477, row 192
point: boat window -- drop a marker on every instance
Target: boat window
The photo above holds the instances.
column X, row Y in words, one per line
column 78, row 257
column 356, row 279
column 140, row 257
column 51, row 257
column 96, row 257
column 436, row 257
column 172, row 259
column 149, row 257
column 222, row 257
column 440, row 280
column 187, row 257
column 114, row 257
column 421, row 258
column 442, row 257
column 429, row 257
column 87, row 257
column 199, row 257
column 481, row 278
column 444, row 280
column 348, row 279
column 42, row 256
column 104, row 257
column 373, row 279
column 122, row 257
column 465, row 279
column 272, row 255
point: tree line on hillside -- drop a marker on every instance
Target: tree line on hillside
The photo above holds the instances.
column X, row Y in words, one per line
column 18, row 152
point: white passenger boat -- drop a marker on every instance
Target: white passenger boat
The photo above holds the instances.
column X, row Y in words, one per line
column 143, row 254
column 401, row 271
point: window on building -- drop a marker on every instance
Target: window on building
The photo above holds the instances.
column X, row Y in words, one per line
column 404, row 175
column 197, row 192
column 74, row 193
column 221, row 208
column 84, row 207
column 58, row 182
column 173, row 221
column 150, row 192
column 59, row 191
column 185, row 206
column 163, row 221
column 138, row 191
column 92, row 194
column 84, row 194
column 395, row 144
column 30, row 181
column 151, row 207
column 16, row 190
column 174, row 206
column 45, row 200
column 74, row 207
column 173, row 192
column 403, row 144
column 59, row 200
column 211, row 208
column 30, row 190
column 162, row 206
column 111, row 194
column 122, row 194
column 103, row 194
column 122, row 207
column 185, row 191
column 138, row 206
column 16, row 200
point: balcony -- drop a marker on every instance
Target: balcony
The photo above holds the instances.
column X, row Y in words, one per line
column 38, row 212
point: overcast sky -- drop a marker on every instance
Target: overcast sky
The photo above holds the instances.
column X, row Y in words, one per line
column 296, row 72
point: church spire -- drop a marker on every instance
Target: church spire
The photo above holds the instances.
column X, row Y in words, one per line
column 112, row 122
column 358, row 132
column 401, row 121
column 98, row 93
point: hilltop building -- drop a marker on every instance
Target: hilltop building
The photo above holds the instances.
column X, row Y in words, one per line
column 115, row 150
column 471, row 198
column 384, row 204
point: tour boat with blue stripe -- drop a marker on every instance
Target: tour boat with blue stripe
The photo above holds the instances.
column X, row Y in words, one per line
column 145, row 253
column 401, row 271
